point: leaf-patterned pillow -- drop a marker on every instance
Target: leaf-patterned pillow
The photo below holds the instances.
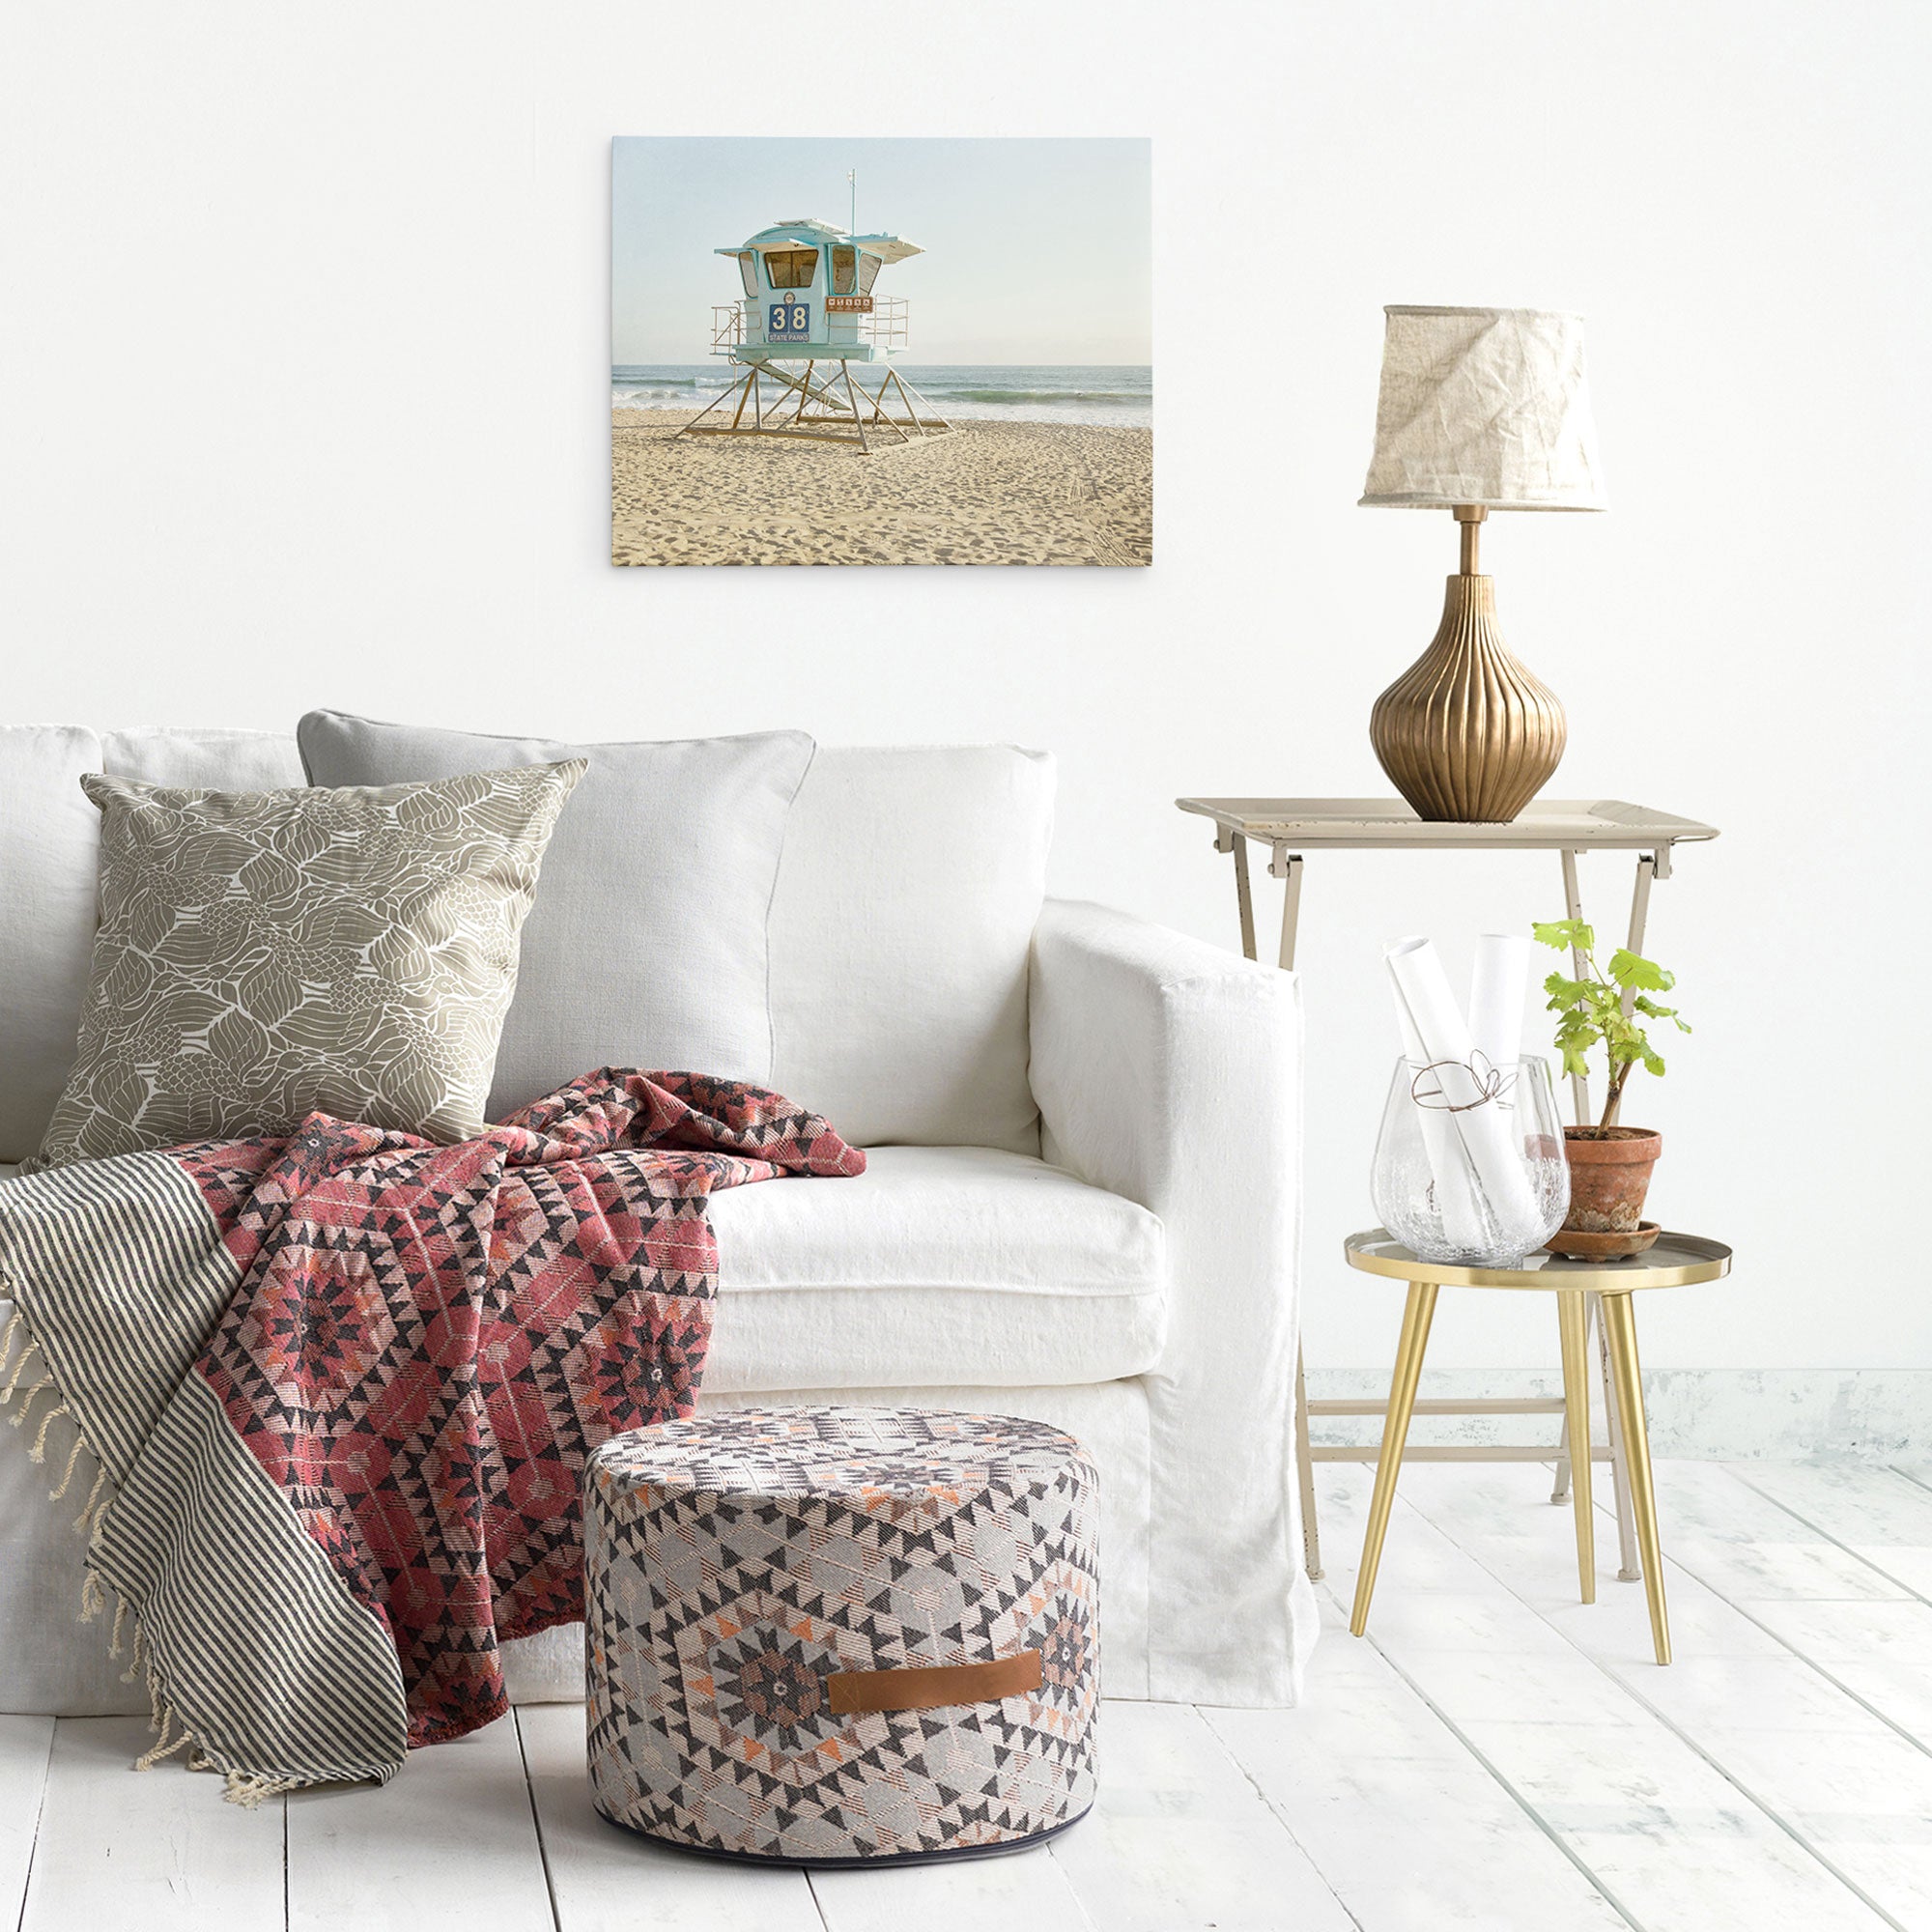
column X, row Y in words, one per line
column 263, row 955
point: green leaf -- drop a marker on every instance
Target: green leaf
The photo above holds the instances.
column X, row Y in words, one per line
column 1565, row 934
column 1574, row 1040
column 1628, row 970
column 1590, row 1010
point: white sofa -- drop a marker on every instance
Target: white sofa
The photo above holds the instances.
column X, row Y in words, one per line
column 1081, row 1205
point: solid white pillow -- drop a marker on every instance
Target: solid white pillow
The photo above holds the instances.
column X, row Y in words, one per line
column 211, row 758
column 49, row 865
column 912, row 882
column 647, row 945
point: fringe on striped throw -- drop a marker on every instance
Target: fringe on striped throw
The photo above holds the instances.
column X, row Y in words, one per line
column 172, row 1732
column 245, row 1789
column 67, row 1475
column 38, row 1452
column 29, row 1348
column 26, row 1398
column 85, row 1519
column 149, row 1759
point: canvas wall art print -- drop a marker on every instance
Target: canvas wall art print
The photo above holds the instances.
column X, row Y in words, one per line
column 911, row 352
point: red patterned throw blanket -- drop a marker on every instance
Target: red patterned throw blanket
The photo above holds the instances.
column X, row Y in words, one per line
column 340, row 1388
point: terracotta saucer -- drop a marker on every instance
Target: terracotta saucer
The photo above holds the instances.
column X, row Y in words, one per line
column 1577, row 1246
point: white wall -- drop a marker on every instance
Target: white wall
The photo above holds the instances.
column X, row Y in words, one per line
column 303, row 366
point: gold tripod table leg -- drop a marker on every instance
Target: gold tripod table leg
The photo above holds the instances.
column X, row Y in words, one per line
column 1572, row 1327
column 1627, row 1378
column 1408, row 1352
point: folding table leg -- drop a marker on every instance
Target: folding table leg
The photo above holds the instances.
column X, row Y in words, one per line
column 1646, row 872
column 1287, row 866
column 1245, row 897
column 1310, row 1531
column 1304, row 1470
column 1572, row 908
column 1305, row 1462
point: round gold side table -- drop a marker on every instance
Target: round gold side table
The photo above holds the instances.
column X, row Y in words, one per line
column 1675, row 1261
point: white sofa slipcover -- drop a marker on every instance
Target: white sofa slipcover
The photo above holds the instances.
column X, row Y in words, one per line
column 934, row 1257
column 1082, row 1205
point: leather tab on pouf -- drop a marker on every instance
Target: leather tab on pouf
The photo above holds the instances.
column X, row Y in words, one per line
column 831, row 1636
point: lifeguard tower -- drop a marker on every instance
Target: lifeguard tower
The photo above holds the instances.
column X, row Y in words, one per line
column 808, row 313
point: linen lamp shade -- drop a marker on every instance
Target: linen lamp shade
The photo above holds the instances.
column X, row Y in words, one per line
column 1484, row 406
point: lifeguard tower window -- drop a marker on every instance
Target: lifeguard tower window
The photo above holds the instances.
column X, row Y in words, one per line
column 869, row 273
column 845, row 270
column 791, row 267
column 748, row 272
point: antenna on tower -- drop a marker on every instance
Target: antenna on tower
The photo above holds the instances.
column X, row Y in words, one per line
column 852, row 177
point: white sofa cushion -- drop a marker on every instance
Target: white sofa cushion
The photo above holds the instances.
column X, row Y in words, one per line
column 647, row 942
column 911, row 881
column 48, row 873
column 905, row 901
column 937, row 1265
column 205, row 756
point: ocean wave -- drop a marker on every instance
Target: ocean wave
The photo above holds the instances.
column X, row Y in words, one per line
column 988, row 394
column 1130, row 397
column 664, row 395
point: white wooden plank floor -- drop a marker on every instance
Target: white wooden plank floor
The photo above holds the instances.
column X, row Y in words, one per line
column 1495, row 1755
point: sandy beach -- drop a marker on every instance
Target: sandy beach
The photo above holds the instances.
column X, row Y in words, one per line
column 988, row 492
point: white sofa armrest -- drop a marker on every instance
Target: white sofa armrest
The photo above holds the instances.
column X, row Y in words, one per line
column 1170, row 1070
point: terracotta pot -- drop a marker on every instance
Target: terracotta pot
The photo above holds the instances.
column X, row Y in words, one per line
column 1609, row 1175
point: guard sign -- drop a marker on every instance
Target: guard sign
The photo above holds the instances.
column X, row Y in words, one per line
column 789, row 322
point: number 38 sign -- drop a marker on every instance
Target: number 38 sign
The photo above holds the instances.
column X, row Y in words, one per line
column 789, row 322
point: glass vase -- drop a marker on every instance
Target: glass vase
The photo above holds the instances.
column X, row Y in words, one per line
column 1469, row 1164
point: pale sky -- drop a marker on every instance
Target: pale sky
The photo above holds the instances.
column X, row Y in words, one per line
column 1037, row 251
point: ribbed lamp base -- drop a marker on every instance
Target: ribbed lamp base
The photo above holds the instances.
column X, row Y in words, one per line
column 1467, row 733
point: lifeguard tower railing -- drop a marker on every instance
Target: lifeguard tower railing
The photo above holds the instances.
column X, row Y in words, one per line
column 773, row 395
column 888, row 327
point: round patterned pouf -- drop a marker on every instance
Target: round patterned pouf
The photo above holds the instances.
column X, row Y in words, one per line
column 829, row 1635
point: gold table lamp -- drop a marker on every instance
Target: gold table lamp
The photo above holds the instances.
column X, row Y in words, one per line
column 1480, row 409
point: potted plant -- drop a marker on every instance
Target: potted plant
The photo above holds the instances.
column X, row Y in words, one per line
column 1609, row 1164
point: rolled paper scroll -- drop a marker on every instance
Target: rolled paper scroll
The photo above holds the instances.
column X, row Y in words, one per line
column 1449, row 1170
column 1465, row 1099
column 1498, row 987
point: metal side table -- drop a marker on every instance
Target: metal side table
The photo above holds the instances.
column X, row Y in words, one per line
column 1674, row 1261
column 1292, row 827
